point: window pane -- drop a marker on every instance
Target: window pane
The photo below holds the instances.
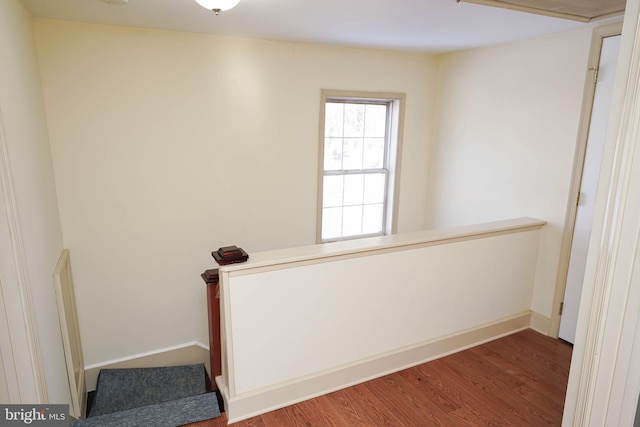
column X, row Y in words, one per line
column 332, row 154
column 331, row 223
column 353, row 189
column 352, row 154
column 358, row 139
column 354, row 120
column 372, row 219
column 352, row 221
column 373, row 153
column 374, row 186
column 333, row 119
column 332, row 191
column 375, row 121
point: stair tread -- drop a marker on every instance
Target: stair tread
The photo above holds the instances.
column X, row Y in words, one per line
column 123, row 389
column 168, row 414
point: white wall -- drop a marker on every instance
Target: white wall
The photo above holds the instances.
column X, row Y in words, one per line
column 31, row 176
column 507, row 122
column 168, row 145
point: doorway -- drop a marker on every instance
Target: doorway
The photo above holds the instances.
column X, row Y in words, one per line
column 604, row 75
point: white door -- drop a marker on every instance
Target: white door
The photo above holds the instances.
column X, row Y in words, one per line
column 588, row 185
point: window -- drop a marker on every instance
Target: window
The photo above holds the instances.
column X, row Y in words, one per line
column 358, row 155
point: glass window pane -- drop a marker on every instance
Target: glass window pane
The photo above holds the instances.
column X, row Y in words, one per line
column 373, row 157
column 355, row 140
column 331, row 223
column 352, row 154
column 372, row 219
column 332, row 154
column 374, row 186
column 354, row 120
column 332, row 191
column 352, row 221
column 375, row 121
column 353, row 189
column 333, row 119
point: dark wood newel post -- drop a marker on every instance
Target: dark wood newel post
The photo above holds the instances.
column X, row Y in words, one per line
column 212, row 279
column 223, row 256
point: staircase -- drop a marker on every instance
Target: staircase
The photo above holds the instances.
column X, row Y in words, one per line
column 154, row 397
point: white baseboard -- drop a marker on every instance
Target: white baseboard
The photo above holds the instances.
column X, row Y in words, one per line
column 184, row 354
column 540, row 323
column 267, row 399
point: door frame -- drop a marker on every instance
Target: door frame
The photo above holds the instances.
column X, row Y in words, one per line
column 604, row 379
column 19, row 339
column 599, row 34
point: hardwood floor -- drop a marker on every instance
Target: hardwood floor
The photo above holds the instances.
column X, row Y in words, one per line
column 519, row 380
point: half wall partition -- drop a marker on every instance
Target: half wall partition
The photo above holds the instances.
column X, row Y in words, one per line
column 301, row 322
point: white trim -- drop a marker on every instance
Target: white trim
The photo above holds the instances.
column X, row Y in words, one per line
column 540, row 323
column 226, row 331
column 10, row 373
column 253, row 403
column 21, row 319
column 394, row 162
column 69, row 327
column 181, row 354
column 603, row 383
column 544, row 11
column 328, row 252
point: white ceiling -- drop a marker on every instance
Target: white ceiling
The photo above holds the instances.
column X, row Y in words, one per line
column 415, row 25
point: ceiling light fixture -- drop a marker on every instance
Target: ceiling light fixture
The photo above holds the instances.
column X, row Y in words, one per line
column 218, row 6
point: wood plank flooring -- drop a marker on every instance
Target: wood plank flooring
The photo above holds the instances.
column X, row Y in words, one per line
column 518, row 380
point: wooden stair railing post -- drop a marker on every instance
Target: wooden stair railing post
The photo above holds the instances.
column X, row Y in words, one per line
column 223, row 256
column 212, row 279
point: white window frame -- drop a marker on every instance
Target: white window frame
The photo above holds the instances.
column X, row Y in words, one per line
column 393, row 152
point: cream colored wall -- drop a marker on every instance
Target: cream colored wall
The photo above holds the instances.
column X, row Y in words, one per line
column 507, row 122
column 31, row 176
column 168, row 145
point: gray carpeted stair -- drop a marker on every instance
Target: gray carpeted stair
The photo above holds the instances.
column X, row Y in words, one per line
column 156, row 397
